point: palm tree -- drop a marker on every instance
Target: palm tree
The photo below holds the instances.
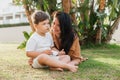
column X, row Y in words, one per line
column 112, row 30
column 84, row 16
column 99, row 30
column 28, row 12
column 67, row 7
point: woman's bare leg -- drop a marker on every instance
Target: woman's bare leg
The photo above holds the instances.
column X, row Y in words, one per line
column 77, row 61
column 83, row 59
column 74, row 62
column 45, row 59
column 64, row 58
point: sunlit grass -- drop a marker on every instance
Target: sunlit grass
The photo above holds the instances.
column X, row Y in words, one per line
column 108, row 61
column 103, row 64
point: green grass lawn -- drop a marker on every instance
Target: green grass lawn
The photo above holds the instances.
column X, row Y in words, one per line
column 103, row 64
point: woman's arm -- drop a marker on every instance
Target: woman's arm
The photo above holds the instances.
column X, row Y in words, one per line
column 75, row 52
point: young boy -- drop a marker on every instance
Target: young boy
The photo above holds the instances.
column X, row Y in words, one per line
column 39, row 46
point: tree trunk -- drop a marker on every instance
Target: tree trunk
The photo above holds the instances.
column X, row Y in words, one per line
column 98, row 36
column 82, row 13
column 28, row 14
column 67, row 6
column 99, row 30
column 114, row 27
column 73, row 14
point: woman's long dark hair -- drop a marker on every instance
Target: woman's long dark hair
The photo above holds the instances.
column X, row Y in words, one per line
column 67, row 34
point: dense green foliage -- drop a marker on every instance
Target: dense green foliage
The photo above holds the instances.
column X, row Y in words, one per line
column 26, row 36
column 12, row 25
column 89, row 18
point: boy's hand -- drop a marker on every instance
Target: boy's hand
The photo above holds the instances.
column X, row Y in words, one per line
column 62, row 52
column 47, row 52
column 30, row 61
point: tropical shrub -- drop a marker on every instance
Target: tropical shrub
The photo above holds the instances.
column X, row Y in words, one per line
column 23, row 44
column 94, row 20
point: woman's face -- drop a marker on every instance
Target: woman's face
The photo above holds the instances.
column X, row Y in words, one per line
column 56, row 26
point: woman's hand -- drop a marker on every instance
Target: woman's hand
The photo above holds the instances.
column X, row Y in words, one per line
column 62, row 52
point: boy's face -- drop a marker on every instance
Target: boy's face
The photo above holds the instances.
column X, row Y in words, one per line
column 43, row 27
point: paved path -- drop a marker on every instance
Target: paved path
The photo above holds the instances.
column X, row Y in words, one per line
column 13, row 34
column 116, row 36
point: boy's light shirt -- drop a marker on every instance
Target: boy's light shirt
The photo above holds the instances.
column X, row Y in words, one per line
column 39, row 43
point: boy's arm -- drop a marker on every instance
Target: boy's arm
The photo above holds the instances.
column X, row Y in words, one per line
column 34, row 54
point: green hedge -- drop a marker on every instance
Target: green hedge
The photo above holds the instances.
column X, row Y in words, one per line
column 13, row 25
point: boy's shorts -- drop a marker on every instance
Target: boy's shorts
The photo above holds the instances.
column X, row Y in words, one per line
column 37, row 65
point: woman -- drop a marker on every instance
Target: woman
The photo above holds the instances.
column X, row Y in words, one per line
column 65, row 38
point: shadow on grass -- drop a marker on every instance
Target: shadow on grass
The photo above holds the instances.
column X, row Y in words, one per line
column 90, row 70
column 96, row 70
column 103, row 64
column 94, row 64
column 100, row 46
column 104, row 53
